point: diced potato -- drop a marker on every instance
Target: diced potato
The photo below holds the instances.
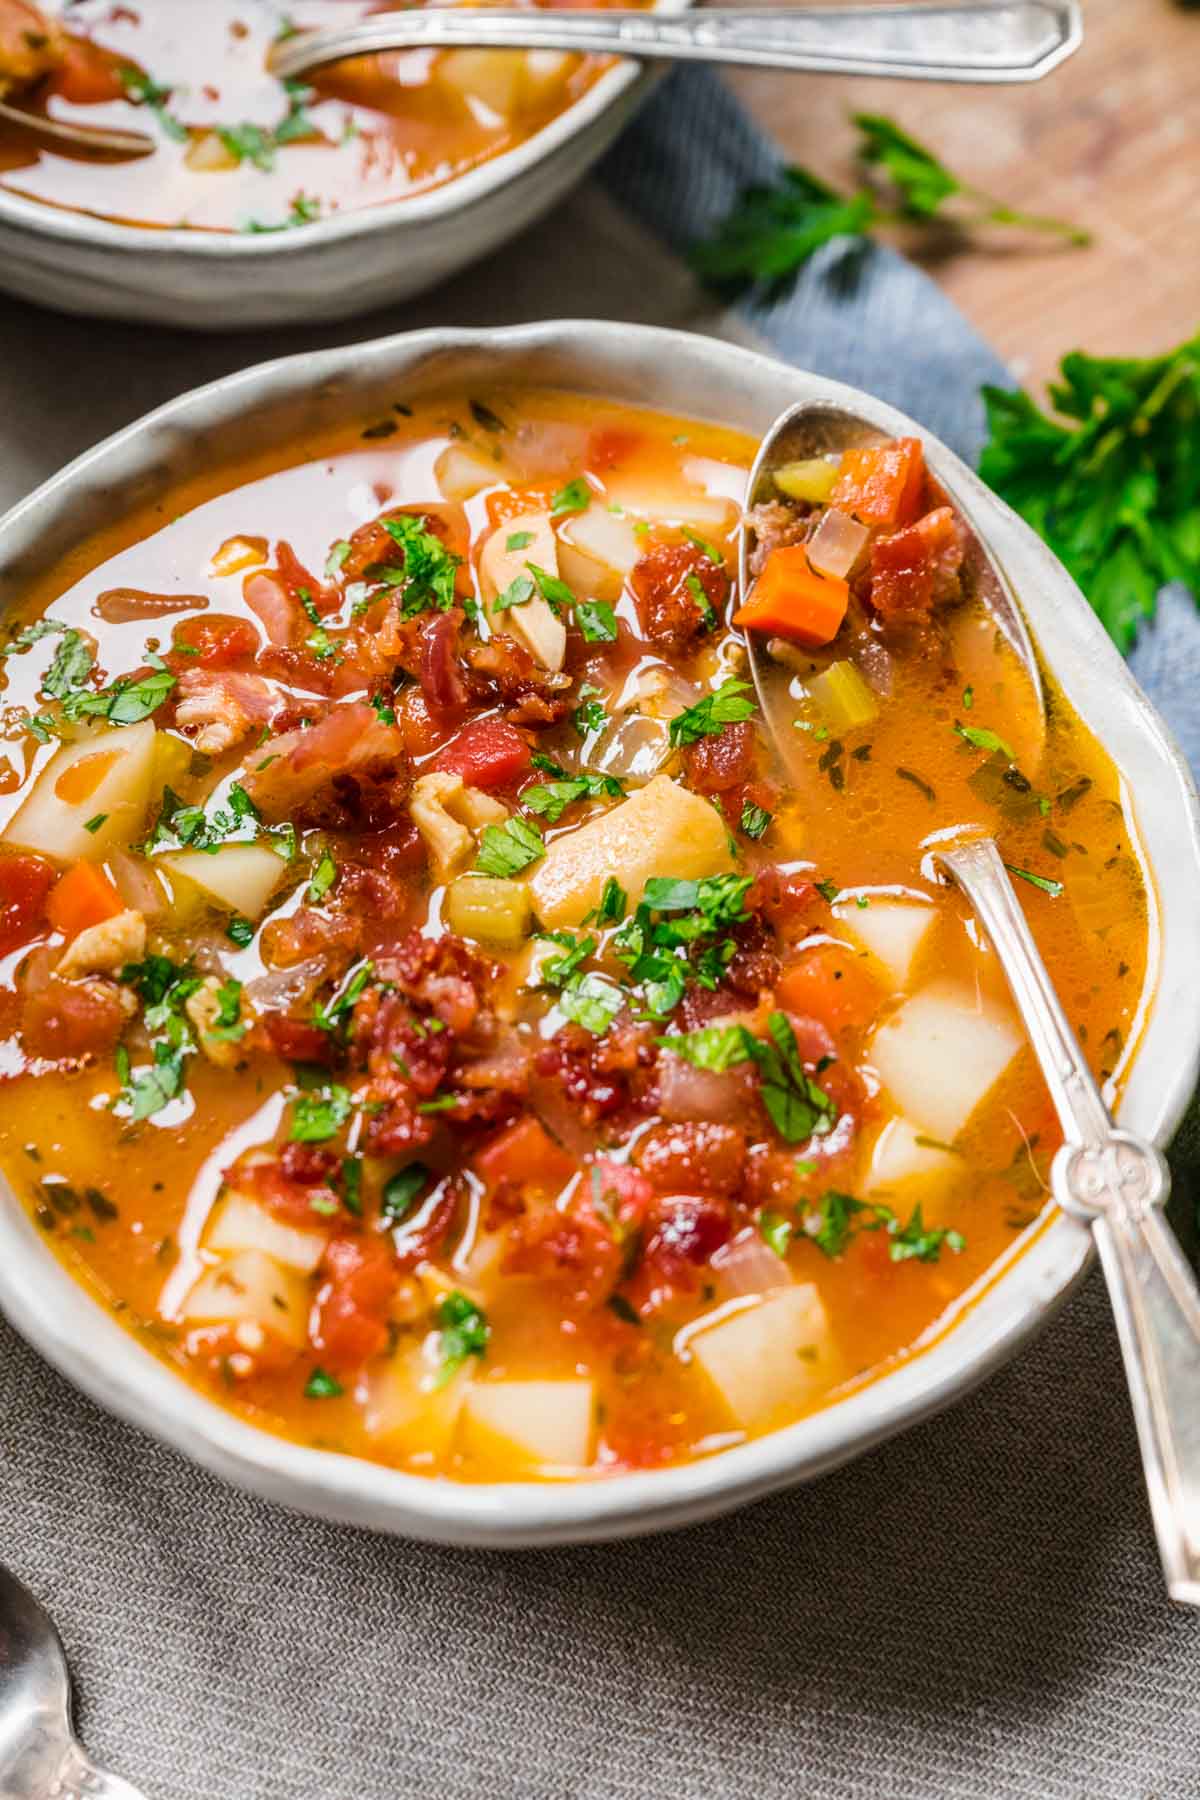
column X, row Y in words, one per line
column 891, row 931
column 240, row 876
column 406, row 1411
column 596, row 551
column 447, row 812
column 672, row 503
column 842, row 697
column 901, row 1154
column 104, row 776
column 532, row 623
column 663, row 829
column 488, row 909
column 772, row 1356
column 251, row 1287
column 942, row 1053
column 240, row 553
column 462, row 472
column 240, row 1223
column 812, row 480
column 534, row 1424
column 210, row 154
column 172, row 761
column 495, row 78
column 545, row 76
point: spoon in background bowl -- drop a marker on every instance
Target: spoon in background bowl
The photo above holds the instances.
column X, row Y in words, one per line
column 40, row 1756
column 989, row 41
column 1109, row 1179
column 104, row 139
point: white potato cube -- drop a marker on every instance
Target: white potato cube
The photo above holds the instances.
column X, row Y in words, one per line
column 240, row 876
column 533, row 624
column 902, row 1154
column 105, row 776
column 462, row 472
column 494, row 78
column 406, row 1411
column 941, row 1054
column 535, row 1423
column 251, row 1288
column 240, row 1223
column 663, row 829
column 890, row 931
column 672, row 503
column 596, row 551
column 770, row 1358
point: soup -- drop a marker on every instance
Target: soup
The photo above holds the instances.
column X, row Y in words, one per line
column 235, row 149
column 436, row 1024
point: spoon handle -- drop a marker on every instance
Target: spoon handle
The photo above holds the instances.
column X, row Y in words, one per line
column 1117, row 1183
column 990, row 41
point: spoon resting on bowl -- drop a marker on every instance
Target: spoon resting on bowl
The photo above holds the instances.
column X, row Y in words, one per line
column 990, row 41
column 1108, row 1178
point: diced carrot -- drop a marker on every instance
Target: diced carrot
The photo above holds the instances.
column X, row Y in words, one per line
column 793, row 601
column 883, row 485
column 830, row 984
column 82, row 897
column 911, row 570
column 518, row 503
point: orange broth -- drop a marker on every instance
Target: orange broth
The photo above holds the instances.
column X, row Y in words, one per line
column 505, row 1230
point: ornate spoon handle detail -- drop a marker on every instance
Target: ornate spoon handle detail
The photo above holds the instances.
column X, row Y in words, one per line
column 991, row 41
column 1116, row 1183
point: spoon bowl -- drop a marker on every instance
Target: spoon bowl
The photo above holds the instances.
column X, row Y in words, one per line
column 105, row 140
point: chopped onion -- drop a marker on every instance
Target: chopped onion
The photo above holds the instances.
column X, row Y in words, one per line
column 138, row 885
column 686, row 1092
column 748, row 1265
column 285, row 986
column 636, row 747
column 837, row 543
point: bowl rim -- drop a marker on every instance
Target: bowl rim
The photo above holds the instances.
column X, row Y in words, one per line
column 71, row 229
column 57, row 1315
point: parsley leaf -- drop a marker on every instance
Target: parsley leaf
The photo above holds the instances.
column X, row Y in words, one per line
column 715, row 1047
column 597, row 621
column 980, row 738
column 554, row 592
column 519, row 592
column 519, row 540
column 1113, row 483
column 320, row 1114
column 430, row 570
column 507, row 849
column 401, row 1190
column 726, row 705
column 589, row 716
column 591, row 1001
column 551, row 799
column 322, row 1386
column 32, row 634
column 755, row 820
column 164, row 988
column 464, row 1333
column 72, row 664
column 576, row 497
column 324, row 876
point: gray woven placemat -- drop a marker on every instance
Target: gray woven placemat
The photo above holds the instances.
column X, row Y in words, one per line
column 973, row 1610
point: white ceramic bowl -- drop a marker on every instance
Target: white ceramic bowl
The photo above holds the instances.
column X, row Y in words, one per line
column 684, row 374
column 331, row 269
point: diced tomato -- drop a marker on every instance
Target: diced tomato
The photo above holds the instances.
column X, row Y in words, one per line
column 89, row 76
column 784, row 896
column 84, row 896
column 360, row 1279
column 882, row 485
column 25, row 882
column 832, row 985
column 297, row 1186
column 684, row 1232
column 66, row 1021
column 583, row 1251
column 911, row 570
column 488, row 753
column 212, row 641
column 525, row 1155
column 693, row 1157
column 518, row 503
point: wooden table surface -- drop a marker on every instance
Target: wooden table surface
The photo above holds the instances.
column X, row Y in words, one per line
column 1111, row 140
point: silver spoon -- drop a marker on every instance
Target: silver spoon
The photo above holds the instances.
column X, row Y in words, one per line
column 1112, row 1180
column 40, row 1757
column 81, row 137
column 991, row 41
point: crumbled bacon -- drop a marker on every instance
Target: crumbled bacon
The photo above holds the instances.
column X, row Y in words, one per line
column 293, row 1040
column 916, row 569
column 73, row 1021
column 682, row 1234
column 722, row 760
column 296, row 1186
column 443, row 975
column 783, row 896
column 351, row 741
column 502, row 672
column 673, row 615
column 574, row 1060
column 584, row 1250
column 700, row 1158
column 222, row 706
column 307, row 933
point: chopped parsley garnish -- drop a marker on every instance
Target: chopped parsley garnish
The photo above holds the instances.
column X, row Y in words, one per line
column 614, row 903
column 483, row 415
column 519, row 592
column 714, row 1047
column 828, row 890
column 591, row 1001
column 507, row 849
column 776, row 1231
column 553, row 590
column 400, row 1192
column 254, row 144
column 1045, row 882
column 693, row 916
column 980, row 738
column 597, row 621
column 320, row 1114
column 227, row 1025
column 322, row 1386
column 181, row 825
column 337, row 555
column 33, row 634
column 324, row 876
column 464, row 1333
column 430, row 570
column 240, row 931
column 710, row 550
column 798, row 1108
column 331, row 1016
column 726, row 705
column 576, row 497
column 93, row 825
column 551, row 799
column 704, row 605
column 836, row 1216
column 72, row 664
column 755, row 820
column 164, row 988
column 143, row 91
column 125, row 702
column 589, row 716
column 519, row 540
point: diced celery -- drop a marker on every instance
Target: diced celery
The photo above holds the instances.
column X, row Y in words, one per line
column 842, row 697
column 488, row 908
column 811, row 480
